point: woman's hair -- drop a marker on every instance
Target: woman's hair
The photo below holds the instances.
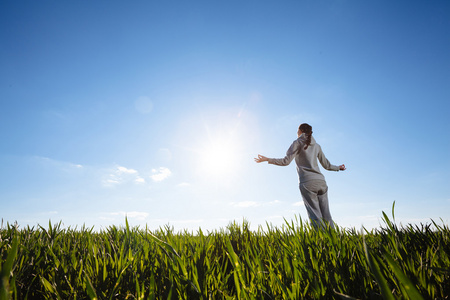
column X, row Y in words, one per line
column 307, row 130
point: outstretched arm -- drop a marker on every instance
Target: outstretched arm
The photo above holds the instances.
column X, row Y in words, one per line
column 280, row 161
column 290, row 154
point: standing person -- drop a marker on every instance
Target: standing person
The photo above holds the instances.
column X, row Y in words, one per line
column 313, row 186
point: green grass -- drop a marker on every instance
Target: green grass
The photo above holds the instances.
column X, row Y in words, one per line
column 290, row 262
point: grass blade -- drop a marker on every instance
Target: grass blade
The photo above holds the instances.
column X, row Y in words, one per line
column 90, row 289
column 6, row 268
column 374, row 267
column 410, row 289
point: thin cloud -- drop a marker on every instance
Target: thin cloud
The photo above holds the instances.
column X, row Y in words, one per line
column 139, row 180
column 61, row 165
column 125, row 170
column 160, row 174
column 120, row 175
column 245, row 204
column 110, row 182
column 138, row 215
column 52, row 212
column 196, row 221
column 274, row 202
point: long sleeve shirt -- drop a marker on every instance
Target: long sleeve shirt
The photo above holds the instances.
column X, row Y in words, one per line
column 306, row 160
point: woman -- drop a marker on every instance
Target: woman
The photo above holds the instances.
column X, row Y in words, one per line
column 313, row 186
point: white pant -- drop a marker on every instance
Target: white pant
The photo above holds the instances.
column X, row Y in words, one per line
column 315, row 197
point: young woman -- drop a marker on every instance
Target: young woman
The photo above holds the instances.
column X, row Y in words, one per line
column 313, row 186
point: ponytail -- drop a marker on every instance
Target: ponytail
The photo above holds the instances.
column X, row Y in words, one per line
column 307, row 130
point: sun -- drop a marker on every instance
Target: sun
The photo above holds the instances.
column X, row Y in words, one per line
column 217, row 143
column 219, row 157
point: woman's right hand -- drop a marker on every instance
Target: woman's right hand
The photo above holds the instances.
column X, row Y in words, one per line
column 342, row 167
column 261, row 158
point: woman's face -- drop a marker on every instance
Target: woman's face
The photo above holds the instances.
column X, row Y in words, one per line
column 299, row 132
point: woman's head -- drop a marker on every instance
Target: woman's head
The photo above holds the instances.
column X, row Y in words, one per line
column 307, row 130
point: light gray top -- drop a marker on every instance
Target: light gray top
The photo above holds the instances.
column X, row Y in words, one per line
column 306, row 160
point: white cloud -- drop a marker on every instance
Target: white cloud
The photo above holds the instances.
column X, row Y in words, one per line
column 183, row 184
column 110, row 181
column 120, row 175
column 299, row 203
column 125, row 170
column 160, row 174
column 137, row 215
column 139, row 180
column 245, row 204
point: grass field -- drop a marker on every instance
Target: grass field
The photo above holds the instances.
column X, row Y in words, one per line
column 291, row 262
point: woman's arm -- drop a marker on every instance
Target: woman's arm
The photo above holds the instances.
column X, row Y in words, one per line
column 290, row 154
column 326, row 164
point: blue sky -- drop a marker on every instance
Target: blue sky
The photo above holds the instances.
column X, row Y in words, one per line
column 155, row 110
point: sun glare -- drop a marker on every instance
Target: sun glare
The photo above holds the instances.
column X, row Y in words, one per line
column 218, row 140
column 219, row 157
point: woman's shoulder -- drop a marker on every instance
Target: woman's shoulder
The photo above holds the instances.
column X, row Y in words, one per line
column 299, row 141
